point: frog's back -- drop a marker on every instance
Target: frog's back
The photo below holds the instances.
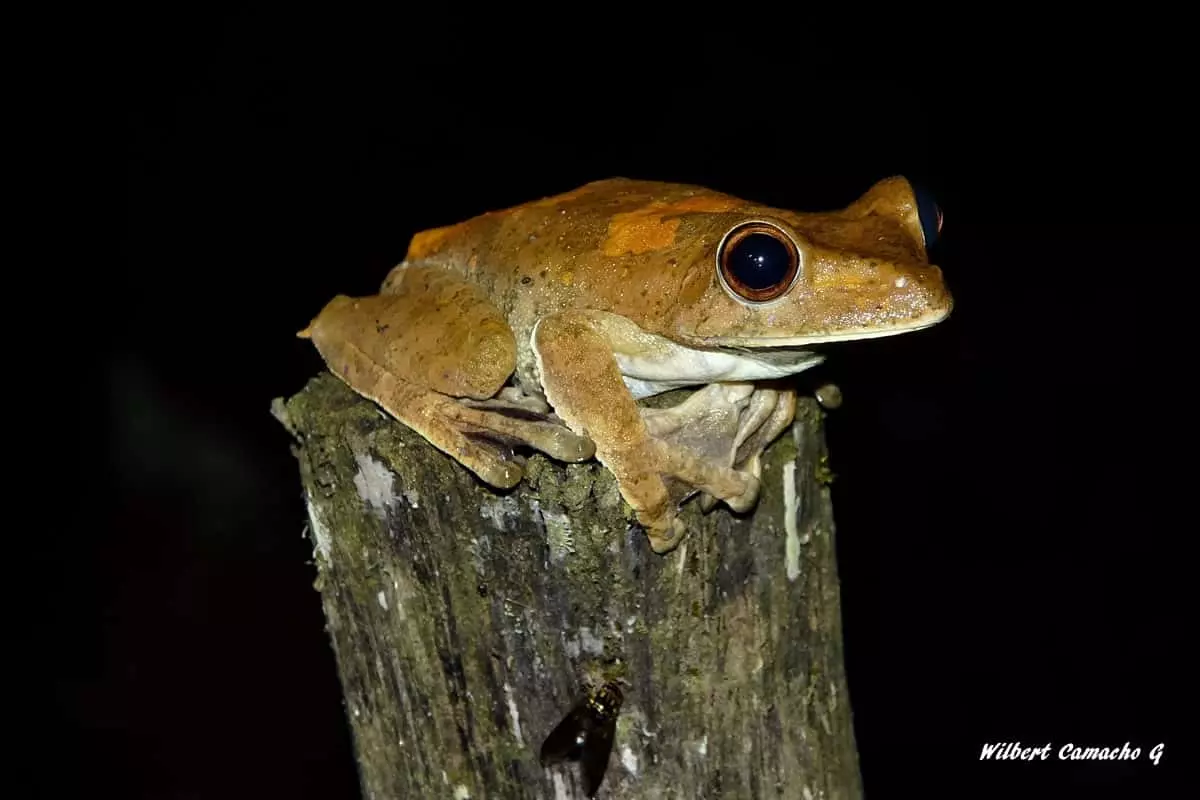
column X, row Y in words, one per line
column 612, row 218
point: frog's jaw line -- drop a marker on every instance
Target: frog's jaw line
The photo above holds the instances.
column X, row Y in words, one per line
column 767, row 343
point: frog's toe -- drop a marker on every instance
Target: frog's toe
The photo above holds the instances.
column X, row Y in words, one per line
column 754, row 466
column 755, row 443
column 551, row 438
column 746, row 500
column 664, row 541
column 492, row 466
column 567, row 446
column 703, row 475
column 743, row 502
column 490, row 457
column 518, row 425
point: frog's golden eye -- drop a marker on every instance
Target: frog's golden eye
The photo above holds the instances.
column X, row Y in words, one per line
column 758, row 262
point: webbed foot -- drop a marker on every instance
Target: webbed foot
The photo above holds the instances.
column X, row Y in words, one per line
column 715, row 439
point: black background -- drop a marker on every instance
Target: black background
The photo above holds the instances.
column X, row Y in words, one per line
column 1005, row 483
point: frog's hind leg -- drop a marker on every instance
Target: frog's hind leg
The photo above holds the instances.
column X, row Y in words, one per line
column 459, row 432
column 516, row 424
column 485, row 439
column 434, row 340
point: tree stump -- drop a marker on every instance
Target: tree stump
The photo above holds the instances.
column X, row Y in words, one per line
column 466, row 622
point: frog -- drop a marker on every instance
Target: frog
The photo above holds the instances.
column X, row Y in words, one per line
column 548, row 326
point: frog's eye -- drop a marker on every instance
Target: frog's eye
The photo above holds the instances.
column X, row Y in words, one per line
column 758, row 262
column 930, row 214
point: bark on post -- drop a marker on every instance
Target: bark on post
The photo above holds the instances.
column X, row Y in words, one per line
column 466, row 622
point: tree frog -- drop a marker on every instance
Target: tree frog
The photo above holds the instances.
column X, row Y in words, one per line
column 545, row 324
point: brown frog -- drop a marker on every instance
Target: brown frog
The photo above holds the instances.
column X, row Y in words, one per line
column 543, row 325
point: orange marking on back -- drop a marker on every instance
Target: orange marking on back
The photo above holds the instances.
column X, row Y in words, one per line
column 704, row 203
column 653, row 226
column 639, row 232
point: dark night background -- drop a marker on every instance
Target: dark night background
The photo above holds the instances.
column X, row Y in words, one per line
column 1004, row 484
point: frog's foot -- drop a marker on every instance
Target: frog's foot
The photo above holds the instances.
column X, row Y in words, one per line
column 706, row 422
column 714, row 438
column 668, row 538
column 769, row 414
column 682, row 473
column 513, row 422
column 483, row 436
column 686, row 472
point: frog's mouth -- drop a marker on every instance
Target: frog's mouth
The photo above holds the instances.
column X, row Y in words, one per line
column 664, row 364
column 759, row 344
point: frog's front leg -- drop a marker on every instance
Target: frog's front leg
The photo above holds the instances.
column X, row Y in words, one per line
column 581, row 379
column 435, row 353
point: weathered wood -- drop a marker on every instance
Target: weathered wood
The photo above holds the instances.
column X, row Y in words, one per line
column 466, row 622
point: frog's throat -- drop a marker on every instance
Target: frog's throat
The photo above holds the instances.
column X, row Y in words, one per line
column 670, row 365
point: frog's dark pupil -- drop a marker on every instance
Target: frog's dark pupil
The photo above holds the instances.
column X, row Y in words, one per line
column 759, row 261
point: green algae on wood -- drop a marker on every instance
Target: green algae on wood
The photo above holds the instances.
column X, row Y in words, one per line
column 466, row 621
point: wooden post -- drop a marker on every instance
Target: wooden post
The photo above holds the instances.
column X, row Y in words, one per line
column 466, row 622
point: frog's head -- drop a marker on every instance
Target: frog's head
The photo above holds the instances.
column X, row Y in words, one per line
column 775, row 278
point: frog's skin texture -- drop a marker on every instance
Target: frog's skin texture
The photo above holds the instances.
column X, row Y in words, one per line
column 542, row 326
